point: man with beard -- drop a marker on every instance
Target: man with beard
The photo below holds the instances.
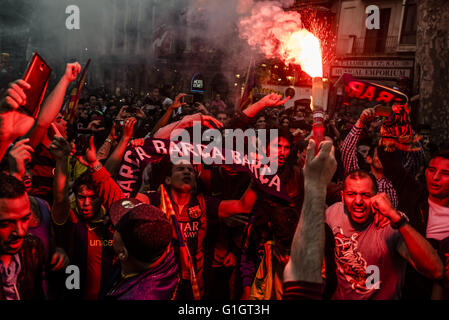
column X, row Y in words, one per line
column 370, row 261
column 21, row 254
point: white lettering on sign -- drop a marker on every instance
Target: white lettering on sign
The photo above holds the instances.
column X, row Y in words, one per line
column 374, row 63
column 198, row 83
column 371, row 73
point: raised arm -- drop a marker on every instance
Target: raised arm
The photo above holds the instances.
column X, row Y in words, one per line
column 186, row 122
column 60, row 149
column 52, row 105
column 349, row 147
column 245, row 204
column 19, row 154
column 163, row 121
column 307, row 249
column 105, row 186
column 271, row 100
column 114, row 160
column 415, row 249
column 13, row 122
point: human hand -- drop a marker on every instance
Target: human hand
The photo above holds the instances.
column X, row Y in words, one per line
column 112, row 135
column 273, row 100
column 94, row 125
column 19, row 153
column 122, row 114
column 384, row 210
column 319, row 169
column 59, row 259
column 71, row 71
column 140, row 114
column 137, row 142
column 367, row 116
column 179, row 101
column 201, row 108
column 207, row 121
column 128, row 127
column 60, row 148
column 13, row 123
column 90, row 158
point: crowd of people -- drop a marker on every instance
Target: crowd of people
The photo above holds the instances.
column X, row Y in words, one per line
column 359, row 222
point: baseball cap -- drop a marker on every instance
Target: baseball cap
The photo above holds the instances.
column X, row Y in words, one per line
column 145, row 229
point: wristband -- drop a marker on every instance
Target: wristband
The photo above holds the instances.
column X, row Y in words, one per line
column 108, row 140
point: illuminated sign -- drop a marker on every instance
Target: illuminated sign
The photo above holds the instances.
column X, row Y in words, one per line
column 197, row 83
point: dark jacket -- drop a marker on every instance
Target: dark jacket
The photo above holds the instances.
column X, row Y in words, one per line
column 413, row 198
column 157, row 283
column 412, row 195
column 31, row 276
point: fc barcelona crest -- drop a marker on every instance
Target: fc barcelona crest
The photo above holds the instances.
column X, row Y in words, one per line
column 194, row 212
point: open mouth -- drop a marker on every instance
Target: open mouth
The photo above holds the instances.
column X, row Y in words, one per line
column 15, row 243
column 358, row 211
column 86, row 211
column 186, row 179
column 27, row 183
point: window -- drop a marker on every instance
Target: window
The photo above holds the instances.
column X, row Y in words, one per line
column 408, row 31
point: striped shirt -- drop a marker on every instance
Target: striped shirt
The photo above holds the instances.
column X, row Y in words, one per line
column 350, row 163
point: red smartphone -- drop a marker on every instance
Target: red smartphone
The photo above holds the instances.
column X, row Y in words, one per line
column 37, row 75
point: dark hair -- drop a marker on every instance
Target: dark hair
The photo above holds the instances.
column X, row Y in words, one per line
column 84, row 179
column 360, row 174
column 441, row 154
column 145, row 232
column 10, row 187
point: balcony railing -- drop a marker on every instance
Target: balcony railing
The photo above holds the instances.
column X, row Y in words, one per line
column 367, row 46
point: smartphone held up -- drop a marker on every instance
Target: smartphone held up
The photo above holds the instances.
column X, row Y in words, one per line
column 37, row 76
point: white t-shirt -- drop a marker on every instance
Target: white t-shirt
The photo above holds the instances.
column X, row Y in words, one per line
column 438, row 223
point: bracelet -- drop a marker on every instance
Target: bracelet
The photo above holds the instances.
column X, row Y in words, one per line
column 108, row 140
